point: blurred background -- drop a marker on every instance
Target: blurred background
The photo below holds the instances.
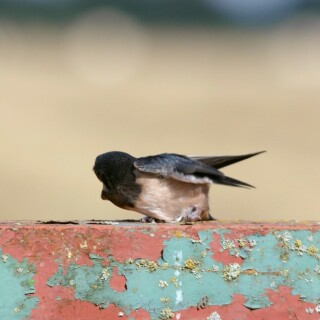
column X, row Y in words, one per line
column 211, row 77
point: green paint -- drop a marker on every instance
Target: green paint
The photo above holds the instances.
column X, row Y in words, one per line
column 16, row 283
column 188, row 271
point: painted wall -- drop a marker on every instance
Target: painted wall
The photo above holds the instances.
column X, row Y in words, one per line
column 159, row 271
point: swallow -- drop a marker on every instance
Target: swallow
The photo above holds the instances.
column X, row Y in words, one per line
column 165, row 187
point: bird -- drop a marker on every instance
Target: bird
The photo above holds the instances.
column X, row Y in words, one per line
column 166, row 187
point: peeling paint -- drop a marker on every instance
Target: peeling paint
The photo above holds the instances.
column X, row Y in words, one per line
column 201, row 271
column 16, row 288
column 262, row 269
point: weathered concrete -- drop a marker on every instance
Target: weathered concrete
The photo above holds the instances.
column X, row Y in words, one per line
column 137, row 271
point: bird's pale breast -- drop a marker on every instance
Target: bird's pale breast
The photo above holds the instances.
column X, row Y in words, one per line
column 169, row 199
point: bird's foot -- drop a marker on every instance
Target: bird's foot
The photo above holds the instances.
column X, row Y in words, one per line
column 147, row 219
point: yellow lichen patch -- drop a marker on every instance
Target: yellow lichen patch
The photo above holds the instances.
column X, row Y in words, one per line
column 284, row 272
column 163, row 283
column 150, row 265
column 165, row 299
column 129, row 261
column 177, row 233
column 190, row 264
column 242, row 243
column 298, row 243
column 84, row 245
column 166, row 313
column 231, row 271
column 105, row 274
column 284, row 256
column 312, row 250
column 174, row 281
column 165, row 266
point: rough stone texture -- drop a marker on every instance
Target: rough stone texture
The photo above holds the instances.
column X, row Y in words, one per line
column 125, row 270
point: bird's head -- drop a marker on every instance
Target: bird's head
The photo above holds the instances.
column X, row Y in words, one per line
column 113, row 169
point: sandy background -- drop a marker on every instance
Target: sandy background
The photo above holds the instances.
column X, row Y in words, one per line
column 106, row 82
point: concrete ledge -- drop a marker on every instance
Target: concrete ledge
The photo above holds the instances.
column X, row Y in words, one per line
column 124, row 270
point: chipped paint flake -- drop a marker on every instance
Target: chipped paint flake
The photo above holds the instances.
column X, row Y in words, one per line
column 203, row 302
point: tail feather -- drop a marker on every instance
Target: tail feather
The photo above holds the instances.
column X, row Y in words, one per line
column 228, row 181
column 223, row 161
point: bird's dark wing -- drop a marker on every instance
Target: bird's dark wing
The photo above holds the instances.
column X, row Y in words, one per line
column 223, row 161
column 184, row 169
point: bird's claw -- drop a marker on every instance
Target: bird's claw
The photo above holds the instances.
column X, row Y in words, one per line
column 147, row 219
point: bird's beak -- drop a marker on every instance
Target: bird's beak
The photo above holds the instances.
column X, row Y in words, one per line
column 104, row 195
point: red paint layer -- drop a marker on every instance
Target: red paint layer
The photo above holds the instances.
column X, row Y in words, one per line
column 286, row 306
column 131, row 244
column 117, row 282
